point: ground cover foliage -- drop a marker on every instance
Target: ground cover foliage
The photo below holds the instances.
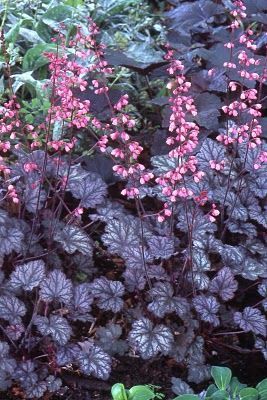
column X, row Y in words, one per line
column 133, row 188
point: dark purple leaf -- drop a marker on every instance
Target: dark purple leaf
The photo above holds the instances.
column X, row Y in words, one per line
column 90, row 190
column 251, row 319
column 72, row 239
column 28, row 276
column 94, row 361
column 11, row 309
column 150, row 340
column 108, row 294
column 160, row 247
column 207, row 308
column 164, row 301
column 224, row 284
column 56, row 326
column 56, row 287
column 109, row 339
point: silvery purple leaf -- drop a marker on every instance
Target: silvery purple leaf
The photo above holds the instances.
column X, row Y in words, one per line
column 249, row 156
column 53, row 384
column 150, row 340
column 34, row 199
column 262, row 288
column 180, row 387
column 11, row 309
column 251, row 319
column 14, row 331
column 92, row 360
column 232, row 256
column 133, row 257
column 56, row 287
column 207, row 307
column 108, row 294
column 244, row 228
column 56, row 326
column 121, row 234
column 157, row 272
column 67, row 354
column 160, row 247
column 258, row 185
column 198, row 373
column 251, row 269
column 5, row 381
column 201, row 224
column 91, row 190
column 224, row 284
column 201, row 280
column 239, row 212
column 196, row 351
column 7, row 364
column 10, row 240
column 134, row 279
column 25, row 374
column 108, row 211
column 109, row 339
column 82, row 298
column 36, row 391
column 28, row 276
column 210, row 150
column 262, row 346
column 201, row 264
column 163, row 164
column 72, row 239
column 164, row 301
column 259, row 215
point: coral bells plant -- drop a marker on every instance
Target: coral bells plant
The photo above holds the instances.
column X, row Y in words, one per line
column 154, row 261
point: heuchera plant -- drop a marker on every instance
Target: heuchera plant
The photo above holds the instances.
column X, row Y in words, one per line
column 187, row 225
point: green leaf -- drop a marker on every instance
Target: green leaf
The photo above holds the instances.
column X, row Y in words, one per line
column 211, row 389
column 236, row 386
column 187, row 397
column 2, row 84
column 248, row 394
column 141, row 392
column 73, row 3
column 34, row 57
column 222, row 376
column 118, row 392
column 51, row 19
column 12, row 34
column 116, row 6
column 144, row 53
column 262, row 389
column 220, row 395
column 30, row 35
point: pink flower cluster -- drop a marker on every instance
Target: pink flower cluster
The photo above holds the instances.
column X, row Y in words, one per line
column 247, row 107
column 125, row 151
column 183, row 139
